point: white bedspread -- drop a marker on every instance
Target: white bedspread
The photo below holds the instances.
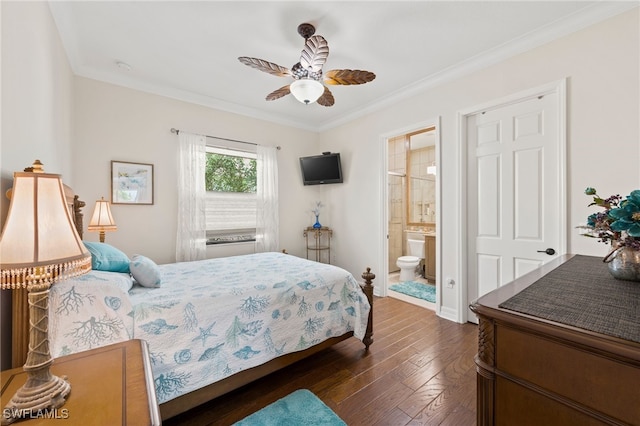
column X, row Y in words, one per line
column 213, row 318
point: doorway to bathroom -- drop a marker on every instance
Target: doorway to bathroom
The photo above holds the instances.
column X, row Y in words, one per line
column 412, row 216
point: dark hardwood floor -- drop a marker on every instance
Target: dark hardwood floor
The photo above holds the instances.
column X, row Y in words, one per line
column 419, row 371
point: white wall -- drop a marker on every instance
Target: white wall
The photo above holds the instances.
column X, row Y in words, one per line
column 37, row 93
column 602, row 67
column 44, row 108
column 37, row 96
column 117, row 123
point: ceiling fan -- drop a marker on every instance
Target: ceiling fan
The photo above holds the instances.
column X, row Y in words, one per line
column 308, row 77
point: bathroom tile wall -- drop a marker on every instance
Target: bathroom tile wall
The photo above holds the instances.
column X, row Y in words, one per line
column 397, row 163
column 423, row 188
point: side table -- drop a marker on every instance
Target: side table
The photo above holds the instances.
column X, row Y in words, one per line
column 111, row 385
column 318, row 241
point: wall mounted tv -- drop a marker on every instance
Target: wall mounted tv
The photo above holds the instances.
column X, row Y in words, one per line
column 321, row 169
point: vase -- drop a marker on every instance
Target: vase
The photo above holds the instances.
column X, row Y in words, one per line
column 317, row 224
column 624, row 263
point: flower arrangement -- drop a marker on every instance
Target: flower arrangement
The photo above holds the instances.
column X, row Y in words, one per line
column 316, row 209
column 619, row 223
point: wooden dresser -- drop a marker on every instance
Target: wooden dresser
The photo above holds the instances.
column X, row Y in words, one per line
column 541, row 371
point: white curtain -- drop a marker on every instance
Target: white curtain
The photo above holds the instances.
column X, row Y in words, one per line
column 191, row 241
column 267, row 222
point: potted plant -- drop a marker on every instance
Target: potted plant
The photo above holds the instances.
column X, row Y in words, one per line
column 617, row 224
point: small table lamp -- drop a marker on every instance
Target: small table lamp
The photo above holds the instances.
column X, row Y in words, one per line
column 39, row 246
column 102, row 220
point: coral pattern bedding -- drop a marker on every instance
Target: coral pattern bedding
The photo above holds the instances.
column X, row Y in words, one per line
column 212, row 318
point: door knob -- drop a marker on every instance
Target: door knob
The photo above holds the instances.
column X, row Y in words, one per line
column 549, row 251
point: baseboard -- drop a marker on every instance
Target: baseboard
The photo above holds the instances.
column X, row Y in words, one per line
column 448, row 313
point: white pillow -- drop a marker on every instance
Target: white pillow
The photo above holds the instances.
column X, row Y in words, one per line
column 145, row 271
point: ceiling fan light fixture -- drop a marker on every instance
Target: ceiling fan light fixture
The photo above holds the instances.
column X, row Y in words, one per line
column 307, row 73
column 306, row 90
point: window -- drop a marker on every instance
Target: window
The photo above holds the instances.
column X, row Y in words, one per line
column 230, row 179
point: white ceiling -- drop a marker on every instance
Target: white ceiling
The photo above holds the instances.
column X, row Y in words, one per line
column 188, row 50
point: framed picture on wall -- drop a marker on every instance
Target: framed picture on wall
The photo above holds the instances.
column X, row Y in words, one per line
column 131, row 183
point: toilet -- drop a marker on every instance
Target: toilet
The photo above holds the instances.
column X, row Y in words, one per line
column 408, row 264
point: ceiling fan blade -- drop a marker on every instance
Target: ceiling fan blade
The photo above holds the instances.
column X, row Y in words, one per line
column 314, row 54
column 348, row 77
column 266, row 66
column 327, row 98
column 277, row 94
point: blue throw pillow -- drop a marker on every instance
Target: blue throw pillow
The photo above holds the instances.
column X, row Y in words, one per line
column 145, row 271
column 107, row 258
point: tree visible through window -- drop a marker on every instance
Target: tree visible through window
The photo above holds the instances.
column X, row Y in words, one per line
column 230, row 181
column 226, row 173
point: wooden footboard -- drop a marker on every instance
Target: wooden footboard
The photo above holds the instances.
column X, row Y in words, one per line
column 193, row 399
column 367, row 288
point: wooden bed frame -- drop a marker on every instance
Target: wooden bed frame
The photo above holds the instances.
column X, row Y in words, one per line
column 20, row 338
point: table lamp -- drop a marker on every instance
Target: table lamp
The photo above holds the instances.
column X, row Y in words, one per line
column 39, row 246
column 102, row 220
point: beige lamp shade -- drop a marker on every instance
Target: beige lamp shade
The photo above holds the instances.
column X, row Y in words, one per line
column 39, row 244
column 102, row 220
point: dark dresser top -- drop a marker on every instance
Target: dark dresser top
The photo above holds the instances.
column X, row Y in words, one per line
column 581, row 293
column 571, row 294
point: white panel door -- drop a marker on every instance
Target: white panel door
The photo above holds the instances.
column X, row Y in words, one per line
column 512, row 192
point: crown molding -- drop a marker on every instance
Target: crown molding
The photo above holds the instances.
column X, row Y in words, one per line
column 588, row 16
column 550, row 32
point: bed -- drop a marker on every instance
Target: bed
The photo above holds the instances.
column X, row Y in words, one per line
column 212, row 325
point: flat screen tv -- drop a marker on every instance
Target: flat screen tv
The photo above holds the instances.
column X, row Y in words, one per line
column 321, row 169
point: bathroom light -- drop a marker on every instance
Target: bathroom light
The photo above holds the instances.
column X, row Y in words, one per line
column 306, row 90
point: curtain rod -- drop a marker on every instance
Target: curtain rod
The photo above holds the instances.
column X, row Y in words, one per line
column 177, row 131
